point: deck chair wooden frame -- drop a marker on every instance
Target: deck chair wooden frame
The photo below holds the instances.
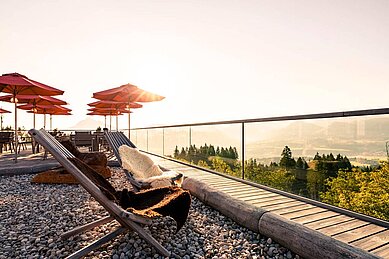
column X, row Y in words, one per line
column 116, row 139
column 127, row 220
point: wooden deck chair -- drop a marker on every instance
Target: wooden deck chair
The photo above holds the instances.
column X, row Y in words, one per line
column 116, row 140
column 127, row 219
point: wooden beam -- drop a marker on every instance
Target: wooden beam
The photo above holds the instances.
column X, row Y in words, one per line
column 96, row 244
column 307, row 242
column 86, row 227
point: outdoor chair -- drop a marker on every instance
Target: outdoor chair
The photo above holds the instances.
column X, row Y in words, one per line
column 128, row 208
column 6, row 140
column 83, row 139
column 116, row 140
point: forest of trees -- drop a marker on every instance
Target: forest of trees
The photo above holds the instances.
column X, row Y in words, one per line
column 328, row 178
column 194, row 154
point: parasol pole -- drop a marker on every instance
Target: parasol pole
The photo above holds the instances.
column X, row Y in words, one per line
column 129, row 137
column 117, row 128
column 33, row 110
column 1, row 121
column 33, row 122
column 51, row 122
column 110, row 121
column 105, row 121
column 16, row 129
column 44, row 120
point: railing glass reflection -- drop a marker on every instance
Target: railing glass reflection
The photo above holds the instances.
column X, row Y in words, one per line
column 318, row 156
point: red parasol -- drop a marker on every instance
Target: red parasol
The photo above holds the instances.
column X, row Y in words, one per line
column 113, row 104
column 110, row 112
column 4, row 111
column 127, row 93
column 16, row 84
column 1, row 117
column 45, row 109
column 51, row 112
column 33, row 100
column 105, row 113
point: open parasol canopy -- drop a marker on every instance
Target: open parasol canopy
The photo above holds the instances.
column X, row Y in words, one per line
column 113, row 104
column 17, row 84
column 127, row 93
column 108, row 111
column 45, row 109
column 51, row 112
column 34, row 100
column 4, row 111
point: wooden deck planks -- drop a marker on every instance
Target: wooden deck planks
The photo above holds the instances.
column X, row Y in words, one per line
column 382, row 251
column 272, row 202
column 228, row 184
column 293, row 208
column 358, row 233
column 328, row 222
column 374, row 241
column 303, row 213
column 342, row 227
column 239, row 187
column 265, row 199
column 282, row 206
column 237, row 193
column 316, row 217
column 259, row 196
column 211, row 177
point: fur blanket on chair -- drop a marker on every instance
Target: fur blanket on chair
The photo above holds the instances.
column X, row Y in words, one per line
column 170, row 201
column 145, row 170
column 97, row 160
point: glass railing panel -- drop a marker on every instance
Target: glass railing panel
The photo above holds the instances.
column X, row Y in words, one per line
column 340, row 161
column 139, row 138
column 216, row 147
column 155, row 141
column 319, row 158
column 175, row 137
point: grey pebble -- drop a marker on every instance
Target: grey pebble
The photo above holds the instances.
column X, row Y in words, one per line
column 37, row 214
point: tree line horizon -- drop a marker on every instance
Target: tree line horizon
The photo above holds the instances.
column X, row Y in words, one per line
column 326, row 177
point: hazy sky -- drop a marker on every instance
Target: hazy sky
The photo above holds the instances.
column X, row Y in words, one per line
column 213, row 60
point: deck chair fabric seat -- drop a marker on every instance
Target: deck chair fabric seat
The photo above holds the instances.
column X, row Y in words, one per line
column 139, row 168
column 128, row 208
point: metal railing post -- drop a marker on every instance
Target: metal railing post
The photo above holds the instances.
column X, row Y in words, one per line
column 190, row 136
column 163, row 141
column 243, row 143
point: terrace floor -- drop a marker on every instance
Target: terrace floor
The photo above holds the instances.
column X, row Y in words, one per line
column 364, row 234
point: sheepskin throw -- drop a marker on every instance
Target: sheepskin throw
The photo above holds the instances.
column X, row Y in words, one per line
column 145, row 170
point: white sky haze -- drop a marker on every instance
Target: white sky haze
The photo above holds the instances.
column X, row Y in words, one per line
column 212, row 60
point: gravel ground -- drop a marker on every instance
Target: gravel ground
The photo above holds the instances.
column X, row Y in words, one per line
column 33, row 216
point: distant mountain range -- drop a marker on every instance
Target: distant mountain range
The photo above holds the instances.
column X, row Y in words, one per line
column 351, row 137
column 88, row 124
